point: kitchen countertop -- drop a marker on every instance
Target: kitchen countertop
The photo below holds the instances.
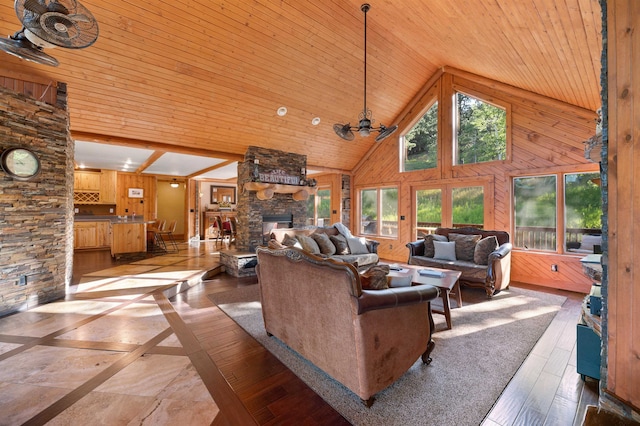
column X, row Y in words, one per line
column 110, row 218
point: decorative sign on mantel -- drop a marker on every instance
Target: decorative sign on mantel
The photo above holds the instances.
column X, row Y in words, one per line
column 279, row 176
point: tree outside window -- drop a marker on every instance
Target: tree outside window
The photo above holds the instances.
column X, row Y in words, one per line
column 481, row 133
column 582, row 206
column 421, row 142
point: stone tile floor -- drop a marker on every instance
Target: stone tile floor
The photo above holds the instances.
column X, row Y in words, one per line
column 108, row 354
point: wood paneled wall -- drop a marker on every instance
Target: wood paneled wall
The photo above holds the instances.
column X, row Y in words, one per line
column 621, row 283
column 141, row 206
column 546, row 136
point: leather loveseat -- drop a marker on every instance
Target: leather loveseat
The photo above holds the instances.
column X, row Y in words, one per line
column 491, row 271
column 364, row 339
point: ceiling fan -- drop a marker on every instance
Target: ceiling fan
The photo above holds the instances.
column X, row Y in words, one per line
column 364, row 127
column 47, row 24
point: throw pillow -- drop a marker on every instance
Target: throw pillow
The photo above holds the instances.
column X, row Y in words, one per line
column 483, row 249
column 308, row 244
column 428, row 243
column 357, row 246
column 375, row 278
column 465, row 245
column 444, row 250
column 291, row 241
column 340, row 242
column 325, row 244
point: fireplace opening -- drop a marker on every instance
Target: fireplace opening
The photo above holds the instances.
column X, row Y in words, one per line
column 275, row 221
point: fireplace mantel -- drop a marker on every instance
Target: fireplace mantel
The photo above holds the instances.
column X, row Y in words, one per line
column 265, row 191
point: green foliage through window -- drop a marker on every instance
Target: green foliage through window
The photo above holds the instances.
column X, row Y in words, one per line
column 481, row 131
column 379, row 209
column 421, row 142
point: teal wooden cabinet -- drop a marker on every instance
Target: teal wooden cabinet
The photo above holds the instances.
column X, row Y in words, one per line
column 589, row 346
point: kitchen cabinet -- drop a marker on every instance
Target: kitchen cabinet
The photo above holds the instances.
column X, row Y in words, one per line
column 91, row 187
column 108, row 180
column 128, row 237
column 91, row 235
column 86, row 181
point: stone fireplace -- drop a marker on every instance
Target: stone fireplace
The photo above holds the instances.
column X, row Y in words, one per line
column 252, row 210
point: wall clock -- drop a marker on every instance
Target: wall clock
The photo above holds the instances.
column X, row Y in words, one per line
column 20, row 163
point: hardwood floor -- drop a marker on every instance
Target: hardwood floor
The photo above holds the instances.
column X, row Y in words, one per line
column 250, row 386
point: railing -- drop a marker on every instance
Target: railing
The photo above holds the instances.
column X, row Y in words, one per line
column 541, row 238
column 424, row 228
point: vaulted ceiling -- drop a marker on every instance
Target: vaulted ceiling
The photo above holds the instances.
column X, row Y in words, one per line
column 206, row 77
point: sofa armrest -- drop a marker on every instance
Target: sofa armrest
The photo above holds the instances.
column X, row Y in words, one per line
column 372, row 245
column 416, row 248
column 499, row 269
column 500, row 252
column 371, row 300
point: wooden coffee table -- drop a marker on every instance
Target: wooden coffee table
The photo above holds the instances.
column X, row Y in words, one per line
column 447, row 283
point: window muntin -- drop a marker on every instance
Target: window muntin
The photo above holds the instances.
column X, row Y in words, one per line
column 421, row 142
column 535, row 211
column 481, row 131
column 379, row 212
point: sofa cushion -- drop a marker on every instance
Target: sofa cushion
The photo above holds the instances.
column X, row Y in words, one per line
column 340, row 241
column 290, row 241
column 356, row 246
column 471, row 271
column 324, row 243
column 484, row 248
column 308, row 244
column 444, row 250
column 429, row 250
column 375, row 278
column 465, row 245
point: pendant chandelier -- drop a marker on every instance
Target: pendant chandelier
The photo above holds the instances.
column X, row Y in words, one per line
column 365, row 119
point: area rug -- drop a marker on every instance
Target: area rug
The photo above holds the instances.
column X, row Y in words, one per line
column 472, row 363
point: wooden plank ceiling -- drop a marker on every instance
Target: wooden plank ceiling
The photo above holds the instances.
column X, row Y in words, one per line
column 210, row 75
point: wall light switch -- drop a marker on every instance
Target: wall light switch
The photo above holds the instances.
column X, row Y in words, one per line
column 110, row 210
column 76, row 210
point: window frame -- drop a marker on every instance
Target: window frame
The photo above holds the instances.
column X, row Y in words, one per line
column 402, row 145
column 446, row 186
column 379, row 227
column 561, row 228
column 498, row 103
column 315, row 205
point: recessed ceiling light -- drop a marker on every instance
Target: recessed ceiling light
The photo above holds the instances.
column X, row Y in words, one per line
column 315, row 121
column 282, row 111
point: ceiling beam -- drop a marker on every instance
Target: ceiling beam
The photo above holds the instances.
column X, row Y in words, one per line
column 157, row 146
column 152, row 159
column 208, row 169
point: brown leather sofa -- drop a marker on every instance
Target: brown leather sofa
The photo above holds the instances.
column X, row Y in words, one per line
column 493, row 276
column 364, row 339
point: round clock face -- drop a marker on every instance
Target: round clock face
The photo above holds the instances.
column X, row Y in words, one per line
column 20, row 163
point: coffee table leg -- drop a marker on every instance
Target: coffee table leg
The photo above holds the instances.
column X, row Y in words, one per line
column 458, row 291
column 447, row 308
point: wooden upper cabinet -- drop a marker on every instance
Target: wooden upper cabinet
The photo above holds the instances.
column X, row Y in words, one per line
column 86, row 181
column 91, row 187
column 108, row 179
